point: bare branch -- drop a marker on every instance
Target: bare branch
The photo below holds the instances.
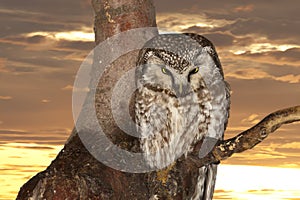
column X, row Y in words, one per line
column 251, row 137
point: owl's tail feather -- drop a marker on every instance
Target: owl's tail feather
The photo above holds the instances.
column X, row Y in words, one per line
column 206, row 182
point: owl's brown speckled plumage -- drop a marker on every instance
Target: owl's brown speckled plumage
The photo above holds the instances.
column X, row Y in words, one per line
column 182, row 98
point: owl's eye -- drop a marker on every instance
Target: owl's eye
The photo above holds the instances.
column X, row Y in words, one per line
column 194, row 71
column 164, row 70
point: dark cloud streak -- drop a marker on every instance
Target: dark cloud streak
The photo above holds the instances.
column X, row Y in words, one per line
column 274, row 30
column 18, row 17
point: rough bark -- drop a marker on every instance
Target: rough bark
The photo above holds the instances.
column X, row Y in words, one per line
column 76, row 174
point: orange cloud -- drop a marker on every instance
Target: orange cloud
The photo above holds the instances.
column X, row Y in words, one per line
column 253, row 74
column 179, row 22
column 289, row 78
column 5, row 97
column 246, row 8
column 252, row 119
column 247, row 74
column 292, row 145
column 46, row 101
column 68, row 87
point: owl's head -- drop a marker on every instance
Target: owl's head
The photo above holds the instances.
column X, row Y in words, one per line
column 178, row 63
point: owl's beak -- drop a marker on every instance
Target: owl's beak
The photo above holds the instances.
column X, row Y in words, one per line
column 181, row 89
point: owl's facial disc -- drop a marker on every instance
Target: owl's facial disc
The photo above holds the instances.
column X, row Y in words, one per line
column 180, row 81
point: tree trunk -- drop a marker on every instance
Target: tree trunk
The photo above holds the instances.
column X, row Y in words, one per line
column 75, row 173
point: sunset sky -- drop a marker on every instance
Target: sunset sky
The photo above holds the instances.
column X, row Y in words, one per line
column 43, row 42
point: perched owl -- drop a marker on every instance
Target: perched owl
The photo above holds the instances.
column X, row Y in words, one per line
column 182, row 98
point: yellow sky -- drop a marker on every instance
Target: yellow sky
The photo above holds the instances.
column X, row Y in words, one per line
column 20, row 161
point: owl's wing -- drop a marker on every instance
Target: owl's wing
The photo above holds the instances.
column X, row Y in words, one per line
column 206, row 182
column 219, row 119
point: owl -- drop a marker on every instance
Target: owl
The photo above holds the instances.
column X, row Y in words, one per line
column 182, row 99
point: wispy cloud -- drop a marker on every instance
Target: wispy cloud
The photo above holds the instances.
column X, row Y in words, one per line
column 32, row 65
column 46, row 101
column 68, row 87
column 252, row 119
column 263, row 48
column 50, row 136
column 180, row 22
column 36, row 41
column 84, row 35
column 6, row 97
column 246, row 8
column 292, row 145
column 19, row 12
column 254, row 74
column 247, row 73
column 290, row 78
